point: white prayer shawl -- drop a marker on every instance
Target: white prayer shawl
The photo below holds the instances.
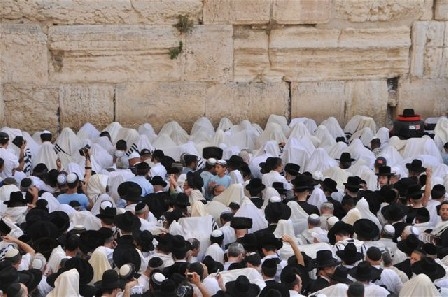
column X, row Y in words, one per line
column 352, row 216
column 299, row 217
column 230, row 151
column 281, row 121
column 198, row 209
column 10, row 162
column 420, row 285
column 67, row 284
column 365, row 135
column 336, row 150
column 360, row 152
column 113, row 182
column 70, row 144
column 392, row 156
column 216, row 252
column 229, row 234
column 106, row 144
column 270, row 149
column 251, row 273
column 203, row 125
column 440, row 228
column 52, row 202
column 383, row 136
column 99, row 263
column 398, row 144
column 333, row 127
column 16, row 214
column 75, row 168
column 249, row 210
column 337, row 290
column 320, row 160
column 86, row 219
column 113, row 129
column 365, row 173
column 365, row 212
column 148, row 130
column 267, row 194
column 284, row 227
column 103, row 159
column 225, row 124
column 96, row 186
column 57, row 254
column 88, row 131
column 175, row 131
column 97, row 204
column 421, row 146
column 337, row 174
column 295, row 152
column 6, row 190
column 326, row 140
column 234, row 193
column 215, row 209
column 310, row 124
column 199, row 228
column 317, row 197
column 31, row 144
column 131, row 137
column 15, row 230
column 273, row 132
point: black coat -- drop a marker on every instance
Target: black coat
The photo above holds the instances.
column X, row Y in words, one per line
column 272, row 284
column 319, row 284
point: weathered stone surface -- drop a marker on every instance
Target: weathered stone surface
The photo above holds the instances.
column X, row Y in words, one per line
column 237, row 12
column 159, row 103
column 80, row 104
column 23, row 53
column 405, row 12
column 339, row 99
column 427, row 49
column 100, row 11
column 318, row 54
column 252, row 101
column 209, row 54
column 427, row 96
column 113, row 53
column 31, row 107
column 441, row 10
column 301, row 11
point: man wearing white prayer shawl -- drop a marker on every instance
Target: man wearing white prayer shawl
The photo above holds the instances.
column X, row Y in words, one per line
column 10, row 162
column 440, row 231
column 47, row 153
column 275, row 165
column 158, row 169
column 227, row 230
column 214, row 250
column 420, row 285
column 67, row 284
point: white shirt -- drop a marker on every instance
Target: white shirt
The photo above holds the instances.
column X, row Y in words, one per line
column 216, row 252
column 229, row 234
column 11, row 162
column 293, row 293
column 373, row 290
column 274, row 176
column 236, row 177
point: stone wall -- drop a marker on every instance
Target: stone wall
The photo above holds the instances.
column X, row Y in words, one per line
column 67, row 62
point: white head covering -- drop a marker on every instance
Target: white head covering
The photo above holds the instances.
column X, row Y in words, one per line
column 234, row 193
column 113, row 129
column 320, row 161
column 337, row 290
column 96, row 186
column 383, row 136
column 53, row 203
column 67, row 284
column 249, row 210
column 46, row 155
column 284, row 227
column 420, row 285
column 333, row 127
column 148, row 130
column 281, row 121
column 273, row 132
column 97, row 205
column 75, row 168
column 203, row 125
column 225, row 124
column 175, row 131
column 88, row 131
column 365, row 212
column 99, row 262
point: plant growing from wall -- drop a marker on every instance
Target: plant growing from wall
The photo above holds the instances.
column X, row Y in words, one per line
column 176, row 51
column 184, row 24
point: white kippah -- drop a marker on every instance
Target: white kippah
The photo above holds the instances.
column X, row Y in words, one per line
column 38, row 262
column 314, row 217
column 275, row 199
column 126, row 269
column 217, row 233
column 62, row 179
column 105, row 204
column 134, row 155
column 45, row 132
column 12, row 252
column 71, row 178
column 389, row 229
column 158, row 277
column 211, row 161
column 332, row 220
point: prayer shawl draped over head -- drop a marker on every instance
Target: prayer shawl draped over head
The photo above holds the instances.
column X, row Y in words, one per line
column 67, row 284
column 420, row 285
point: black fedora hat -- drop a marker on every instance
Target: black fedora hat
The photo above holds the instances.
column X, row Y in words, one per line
column 84, row 268
column 324, row 258
column 339, row 227
column 61, row 220
column 329, row 185
column 270, row 241
column 255, row 186
column 30, row 278
column 8, row 275
column 353, row 182
column 212, row 152
column 408, row 113
column 127, row 222
column 346, row 157
column 415, row 166
column 158, row 180
column 365, row 272
column 366, row 229
column 430, row 267
column 130, row 191
column 415, row 191
column 242, row 287
column 387, row 194
column 15, row 199
column 195, row 180
column 158, row 154
column 394, row 212
column 241, row 223
column 292, row 169
column 303, row 183
column 110, row 280
column 384, row 171
column 182, row 200
column 349, row 254
column 340, row 275
column 235, row 161
column 107, row 213
column 408, row 245
column 276, row 211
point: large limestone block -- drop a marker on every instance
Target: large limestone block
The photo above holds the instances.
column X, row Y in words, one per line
column 304, row 54
column 441, row 10
column 31, row 107
column 427, row 49
column 80, row 104
column 160, row 102
column 209, row 54
column 237, row 12
column 113, row 53
column 428, row 97
column 403, row 11
column 251, row 59
column 301, row 11
column 23, row 53
column 252, row 101
column 101, row 11
column 339, row 99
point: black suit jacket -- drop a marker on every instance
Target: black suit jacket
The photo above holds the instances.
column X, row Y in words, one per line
column 272, row 284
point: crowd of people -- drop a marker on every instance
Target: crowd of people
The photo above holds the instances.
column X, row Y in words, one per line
column 290, row 210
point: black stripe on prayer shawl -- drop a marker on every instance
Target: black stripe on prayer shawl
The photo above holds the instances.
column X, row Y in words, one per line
column 58, row 149
column 27, row 161
column 132, row 149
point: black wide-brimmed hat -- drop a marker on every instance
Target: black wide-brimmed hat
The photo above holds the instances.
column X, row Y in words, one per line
column 241, row 223
column 30, row 278
column 384, row 171
column 408, row 245
column 270, row 241
column 353, row 182
column 394, row 212
column 349, row 254
column 324, row 258
column 430, row 267
column 276, row 211
column 365, row 272
column 303, row 183
column 182, row 200
column 255, row 185
column 235, row 161
column 340, row 274
column 292, row 169
column 15, row 199
column 127, row 222
column 158, row 180
column 242, row 287
column 415, row 191
column 279, row 187
column 408, row 113
column 415, row 166
column 346, row 157
column 329, row 185
column 107, row 213
column 61, row 220
column 366, row 229
column 110, row 280
column 132, row 191
column 212, row 152
column 337, row 228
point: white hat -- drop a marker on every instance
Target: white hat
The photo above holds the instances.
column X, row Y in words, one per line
column 389, row 229
column 11, row 253
column 332, row 220
column 217, row 233
column 105, row 204
column 158, row 278
column 134, row 155
column 211, row 161
column 274, row 199
column 62, row 179
column 71, row 178
column 313, row 216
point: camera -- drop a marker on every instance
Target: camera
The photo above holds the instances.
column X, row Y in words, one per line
column 83, row 151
